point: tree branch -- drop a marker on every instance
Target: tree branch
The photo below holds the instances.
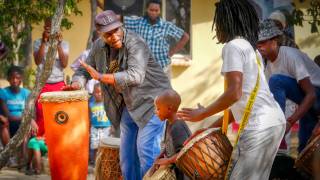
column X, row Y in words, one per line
column 24, row 128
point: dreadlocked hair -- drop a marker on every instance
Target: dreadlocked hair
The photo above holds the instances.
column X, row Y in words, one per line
column 234, row 18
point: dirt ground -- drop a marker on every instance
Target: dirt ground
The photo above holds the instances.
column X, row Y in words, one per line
column 14, row 174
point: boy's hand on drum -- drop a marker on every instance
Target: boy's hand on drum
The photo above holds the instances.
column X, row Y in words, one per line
column 153, row 169
column 71, row 87
column 163, row 161
column 93, row 73
column 190, row 114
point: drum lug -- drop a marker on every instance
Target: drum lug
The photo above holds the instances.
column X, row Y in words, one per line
column 61, row 117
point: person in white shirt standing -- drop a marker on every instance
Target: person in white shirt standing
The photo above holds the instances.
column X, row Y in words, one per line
column 236, row 24
column 293, row 75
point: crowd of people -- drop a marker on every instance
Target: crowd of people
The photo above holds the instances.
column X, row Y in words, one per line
column 127, row 72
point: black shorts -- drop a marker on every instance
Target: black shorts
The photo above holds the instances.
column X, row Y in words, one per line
column 13, row 127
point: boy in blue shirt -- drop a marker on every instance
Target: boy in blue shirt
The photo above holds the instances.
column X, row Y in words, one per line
column 100, row 124
column 13, row 99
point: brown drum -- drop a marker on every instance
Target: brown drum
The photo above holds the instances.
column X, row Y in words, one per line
column 206, row 156
column 305, row 159
column 107, row 161
column 163, row 173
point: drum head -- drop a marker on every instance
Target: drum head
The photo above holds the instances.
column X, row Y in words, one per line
column 196, row 139
column 111, row 142
column 64, row 96
column 164, row 172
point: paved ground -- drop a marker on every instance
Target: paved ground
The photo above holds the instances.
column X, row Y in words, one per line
column 14, row 174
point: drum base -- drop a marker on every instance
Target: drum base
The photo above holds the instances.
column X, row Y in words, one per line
column 107, row 164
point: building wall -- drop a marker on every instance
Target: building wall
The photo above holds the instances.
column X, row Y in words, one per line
column 201, row 82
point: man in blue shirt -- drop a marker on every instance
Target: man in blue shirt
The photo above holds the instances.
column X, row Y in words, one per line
column 157, row 32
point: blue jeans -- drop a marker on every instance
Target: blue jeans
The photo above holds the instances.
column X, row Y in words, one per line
column 139, row 147
column 283, row 87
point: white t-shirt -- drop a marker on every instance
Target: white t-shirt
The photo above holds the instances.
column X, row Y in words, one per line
column 294, row 63
column 238, row 55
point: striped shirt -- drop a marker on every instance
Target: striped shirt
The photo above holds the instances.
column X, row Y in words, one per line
column 157, row 35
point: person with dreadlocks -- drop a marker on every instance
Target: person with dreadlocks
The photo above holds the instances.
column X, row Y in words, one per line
column 236, row 24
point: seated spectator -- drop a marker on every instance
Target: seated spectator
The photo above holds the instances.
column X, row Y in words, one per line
column 36, row 149
column 293, row 75
column 13, row 100
column 4, row 134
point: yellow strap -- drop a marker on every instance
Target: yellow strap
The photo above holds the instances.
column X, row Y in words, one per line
column 225, row 121
column 245, row 118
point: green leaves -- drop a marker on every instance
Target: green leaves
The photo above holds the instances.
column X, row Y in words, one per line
column 15, row 17
column 312, row 15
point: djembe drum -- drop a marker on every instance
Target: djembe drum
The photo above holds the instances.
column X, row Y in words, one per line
column 107, row 161
column 206, row 156
column 305, row 161
column 66, row 120
column 163, row 173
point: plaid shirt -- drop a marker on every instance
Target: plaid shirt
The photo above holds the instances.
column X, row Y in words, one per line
column 157, row 36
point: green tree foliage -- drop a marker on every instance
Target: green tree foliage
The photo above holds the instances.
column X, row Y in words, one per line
column 312, row 15
column 16, row 17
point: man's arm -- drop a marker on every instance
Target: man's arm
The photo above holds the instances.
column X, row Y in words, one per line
column 104, row 78
column 39, row 52
column 7, row 114
column 181, row 43
column 63, row 52
column 232, row 94
column 218, row 123
column 308, row 100
column 81, row 75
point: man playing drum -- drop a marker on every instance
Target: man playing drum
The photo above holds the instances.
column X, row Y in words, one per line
column 122, row 62
column 236, row 25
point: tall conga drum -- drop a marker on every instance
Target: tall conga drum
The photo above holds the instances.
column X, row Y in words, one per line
column 66, row 120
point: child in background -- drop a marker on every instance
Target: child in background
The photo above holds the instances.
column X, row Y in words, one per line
column 13, row 100
column 100, row 124
column 167, row 104
column 36, row 148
